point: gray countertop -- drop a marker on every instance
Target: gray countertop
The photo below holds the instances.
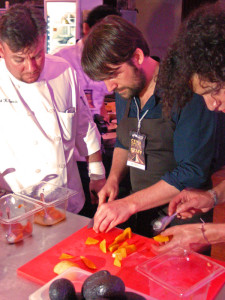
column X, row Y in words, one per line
column 13, row 256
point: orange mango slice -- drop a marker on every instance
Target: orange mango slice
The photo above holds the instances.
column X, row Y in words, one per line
column 120, row 238
column 88, row 262
column 127, row 233
column 112, row 247
column 160, row 238
column 64, row 265
column 130, row 249
column 124, row 245
column 91, row 241
column 121, row 251
column 102, row 246
column 28, row 227
column 66, row 256
column 117, row 262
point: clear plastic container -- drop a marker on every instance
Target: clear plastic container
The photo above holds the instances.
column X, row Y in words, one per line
column 52, row 198
column 77, row 277
column 180, row 274
column 17, row 217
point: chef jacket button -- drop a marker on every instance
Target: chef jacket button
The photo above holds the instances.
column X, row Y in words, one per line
column 57, row 138
column 37, row 170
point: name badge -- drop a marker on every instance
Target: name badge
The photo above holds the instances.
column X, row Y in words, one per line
column 136, row 155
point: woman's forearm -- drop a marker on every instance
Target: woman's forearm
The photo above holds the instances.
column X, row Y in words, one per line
column 215, row 233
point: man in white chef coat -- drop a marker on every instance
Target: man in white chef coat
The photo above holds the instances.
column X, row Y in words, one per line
column 43, row 113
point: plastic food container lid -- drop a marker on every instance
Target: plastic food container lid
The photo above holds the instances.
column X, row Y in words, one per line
column 19, row 207
column 180, row 271
column 53, row 194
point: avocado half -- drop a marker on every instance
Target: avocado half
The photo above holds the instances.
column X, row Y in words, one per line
column 102, row 285
column 62, row 289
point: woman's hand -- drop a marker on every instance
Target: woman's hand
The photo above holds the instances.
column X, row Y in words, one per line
column 189, row 202
column 188, row 236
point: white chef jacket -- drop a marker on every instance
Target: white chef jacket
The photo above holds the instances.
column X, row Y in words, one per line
column 41, row 123
column 73, row 55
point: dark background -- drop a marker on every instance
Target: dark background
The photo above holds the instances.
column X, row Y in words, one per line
column 187, row 6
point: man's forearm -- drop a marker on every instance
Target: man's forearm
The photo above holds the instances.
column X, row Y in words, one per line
column 153, row 196
column 95, row 157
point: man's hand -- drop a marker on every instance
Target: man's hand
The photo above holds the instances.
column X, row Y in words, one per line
column 95, row 186
column 188, row 236
column 109, row 191
column 189, row 202
column 110, row 214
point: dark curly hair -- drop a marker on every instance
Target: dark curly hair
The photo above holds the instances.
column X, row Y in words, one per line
column 21, row 25
column 198, row 49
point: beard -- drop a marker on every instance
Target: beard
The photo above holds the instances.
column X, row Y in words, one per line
column 139, row 82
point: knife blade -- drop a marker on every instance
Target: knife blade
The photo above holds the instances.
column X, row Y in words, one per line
column 91, row 223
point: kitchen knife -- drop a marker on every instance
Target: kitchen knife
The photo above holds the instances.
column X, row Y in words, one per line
column 91, row 223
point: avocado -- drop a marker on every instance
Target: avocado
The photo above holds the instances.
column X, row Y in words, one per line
column 102, row 285
column 134, row 296
column 62, row 289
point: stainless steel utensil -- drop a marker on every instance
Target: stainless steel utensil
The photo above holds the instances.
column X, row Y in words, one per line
column 161, row 223
column 10, row 236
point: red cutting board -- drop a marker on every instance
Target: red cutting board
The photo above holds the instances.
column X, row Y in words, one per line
column 40, row 269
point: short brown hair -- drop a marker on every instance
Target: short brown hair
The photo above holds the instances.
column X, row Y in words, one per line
column 112, row 41
column 21, row 26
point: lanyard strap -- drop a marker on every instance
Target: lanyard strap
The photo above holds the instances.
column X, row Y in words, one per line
column 139, row 119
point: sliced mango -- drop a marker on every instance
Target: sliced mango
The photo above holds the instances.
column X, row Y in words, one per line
column 121, row 251
column 120, row 238
column 124, row 245
column 88, row 262
column 160, row 238
column 112, row 247
column 117, row 262
column 18, row 237
column 102, row 246
column 91, row 241
column 66, row 256
column 63, row 266
column 127, row 233
column 28, row 228
column 130, row 249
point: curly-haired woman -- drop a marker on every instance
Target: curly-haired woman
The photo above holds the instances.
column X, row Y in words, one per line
column 195, row 63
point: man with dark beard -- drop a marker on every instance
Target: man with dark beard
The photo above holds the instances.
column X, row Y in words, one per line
column 164, row 155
